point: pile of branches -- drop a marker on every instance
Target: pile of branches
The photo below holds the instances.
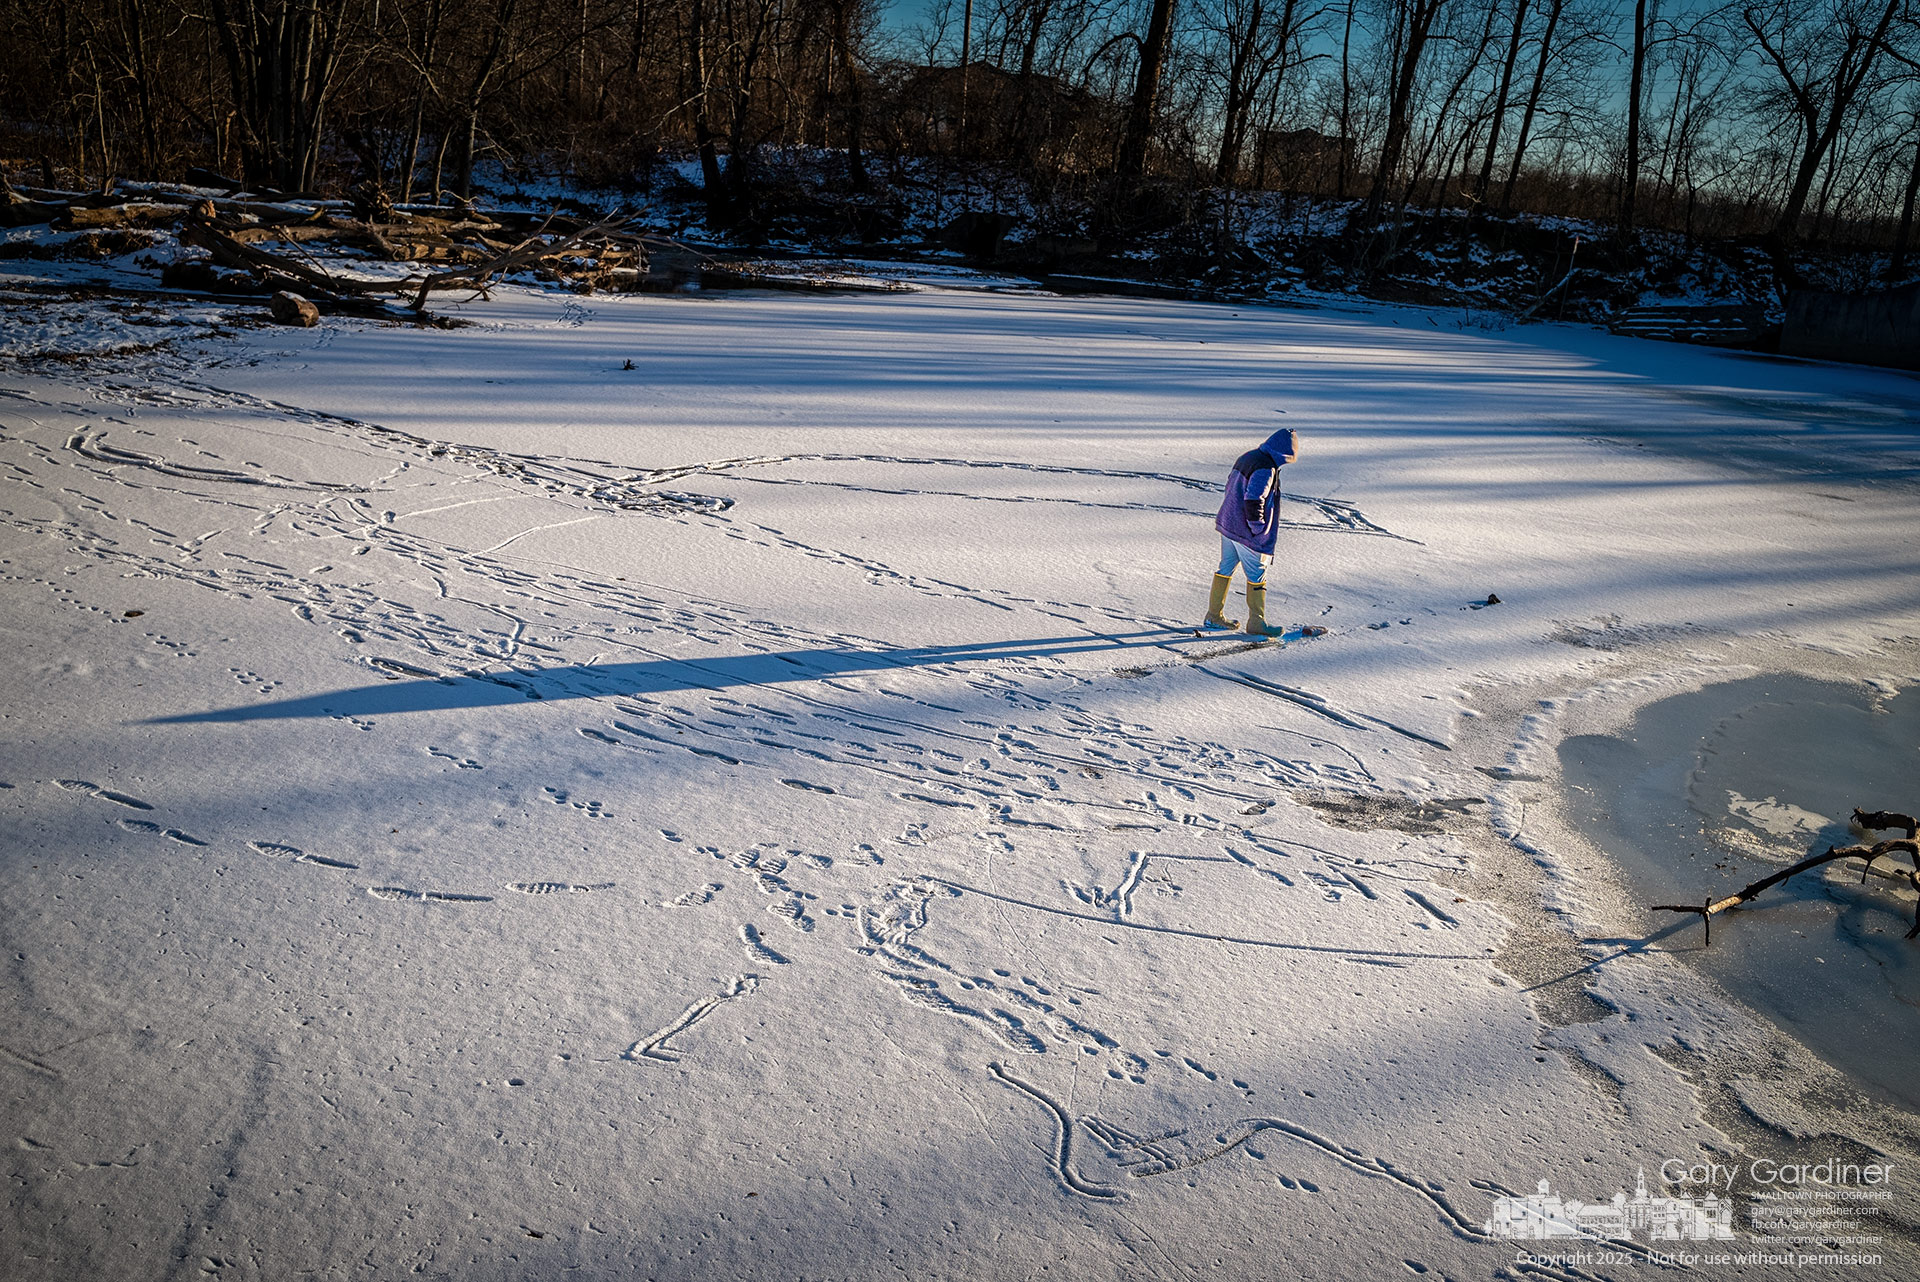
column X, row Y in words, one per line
column 472, row 249
column 1866, row 821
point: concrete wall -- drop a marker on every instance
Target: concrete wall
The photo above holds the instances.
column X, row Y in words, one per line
column 1871, row 329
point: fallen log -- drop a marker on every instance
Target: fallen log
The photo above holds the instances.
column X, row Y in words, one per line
column 252, row 213
column 1870, row 821
column 275, row 273
column 476, row 247
column 239, row 210
column 53, row 195
column 407, row 246
column 229, row 252
column 209, row 281
column 534, row 251
column 201, row 177
column 405, row 224
column 292, row 233
column 80, row 218
column 17, row 210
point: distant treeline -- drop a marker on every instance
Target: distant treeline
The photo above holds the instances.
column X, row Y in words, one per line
column 1794, row 119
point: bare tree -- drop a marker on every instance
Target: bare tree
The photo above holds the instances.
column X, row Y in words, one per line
column 714, row 182
column 1904, row 47
column 1346, row 98
column 1700, row 71
column 1822, row 53
column 1414, row 22
column 1636, row 79
column 1502, row 97
column 1258, row 42
column 1554, row 10
column 1146, row 96
column 1446, row 133
column 1903, row 239
column 419, row 45
column 282, row 56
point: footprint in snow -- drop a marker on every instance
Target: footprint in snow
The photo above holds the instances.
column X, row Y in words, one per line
column 171, row 834
column 102, row 794
column 276, row 850
column 757, row 948
column 400, row 894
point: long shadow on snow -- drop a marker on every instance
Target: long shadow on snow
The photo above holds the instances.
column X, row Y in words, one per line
column 433, row 693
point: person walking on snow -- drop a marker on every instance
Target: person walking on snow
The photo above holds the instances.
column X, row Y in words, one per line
column 1249, row 521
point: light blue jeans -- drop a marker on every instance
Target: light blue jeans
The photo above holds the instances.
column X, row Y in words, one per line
column 1253, row 564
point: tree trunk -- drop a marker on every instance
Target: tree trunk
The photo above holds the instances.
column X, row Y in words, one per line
column 476, row 97
column 281, row 56
column 740, row 147
column 1239, row 94
column 1269, row 118
column 1897, row 265
column 1438, row 195
column 1500, row 100
column 966, row 62
column 719, row 208
column 1019, row 139
column 843, row 37
column 1847, row 79
column 1146, row 99
column 440, row 162
column 1420, row 16
column 1346, row 103
column 1630, row 181
column 1533, row 104
column 469, row 137
column 241, row 68
column 417, row 125
column 639, row 38
column 143, row 87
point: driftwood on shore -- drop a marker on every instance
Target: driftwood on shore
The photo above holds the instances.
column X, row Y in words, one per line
column 1867, row 821
column 474, row 247
column 595, row 251
column 271, row 268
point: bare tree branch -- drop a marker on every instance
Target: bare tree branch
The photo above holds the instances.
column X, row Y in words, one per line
column 530, row 251
column 1871, row 821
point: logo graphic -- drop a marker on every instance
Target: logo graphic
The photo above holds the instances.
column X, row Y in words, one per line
column 1653, row 1219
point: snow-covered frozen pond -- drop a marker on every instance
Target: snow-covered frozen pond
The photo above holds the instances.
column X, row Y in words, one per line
column 1715, row 789
column 474, row 810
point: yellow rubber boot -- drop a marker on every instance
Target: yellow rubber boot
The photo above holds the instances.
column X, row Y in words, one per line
column 1217, row 605
column 1257, row 625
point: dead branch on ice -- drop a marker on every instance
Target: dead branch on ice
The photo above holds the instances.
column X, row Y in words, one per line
column 1869, row 821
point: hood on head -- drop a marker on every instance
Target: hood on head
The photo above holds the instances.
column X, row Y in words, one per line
column 1280, row 444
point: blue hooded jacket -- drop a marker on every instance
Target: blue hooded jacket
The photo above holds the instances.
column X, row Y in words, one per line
column 1256, row 476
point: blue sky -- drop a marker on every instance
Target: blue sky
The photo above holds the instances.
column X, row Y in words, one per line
column 897, row 16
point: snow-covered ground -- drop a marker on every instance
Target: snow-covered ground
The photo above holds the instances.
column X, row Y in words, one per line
column 475, row 810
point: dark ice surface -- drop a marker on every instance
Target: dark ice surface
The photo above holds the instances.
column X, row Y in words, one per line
column 1708, row 792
